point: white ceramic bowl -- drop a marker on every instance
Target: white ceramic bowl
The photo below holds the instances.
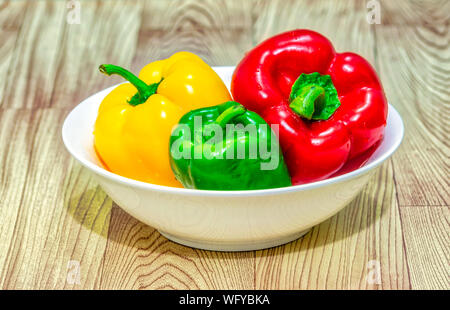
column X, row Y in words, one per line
column 224, row 220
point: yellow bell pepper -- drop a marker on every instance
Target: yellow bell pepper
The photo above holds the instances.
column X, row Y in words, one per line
column 135, row 120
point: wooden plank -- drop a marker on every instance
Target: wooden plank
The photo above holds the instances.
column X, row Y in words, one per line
column 138, row 257
column 414, row 66
column 345, row 251
column 56, row 63
column 107, row 33
column 11, row 18
column 415, row 13
column 32, row 67
column 55, row 212
column 217, row 31
column 14, row 158
column 427, row 246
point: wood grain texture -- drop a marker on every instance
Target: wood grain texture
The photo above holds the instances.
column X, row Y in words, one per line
column 138, row 257
column 56, row 63
column 202, row 27
column 337, row 20
column 33, row 68
column 414, row 63
column 52, row 212
column 427, row 246
column 11, row 18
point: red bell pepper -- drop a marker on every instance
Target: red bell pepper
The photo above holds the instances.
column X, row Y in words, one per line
column 319, row 130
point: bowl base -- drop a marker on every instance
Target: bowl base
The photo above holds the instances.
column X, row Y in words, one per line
column 234, row 246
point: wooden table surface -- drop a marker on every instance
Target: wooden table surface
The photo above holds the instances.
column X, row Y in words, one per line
column 55, row 218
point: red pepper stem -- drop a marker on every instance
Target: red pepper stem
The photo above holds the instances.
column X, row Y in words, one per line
column 144, row 90
column 226, row 116
column 310, row 98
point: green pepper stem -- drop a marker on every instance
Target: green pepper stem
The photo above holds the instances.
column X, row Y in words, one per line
column 310, row 99
column 144, row 90
column 226, row 116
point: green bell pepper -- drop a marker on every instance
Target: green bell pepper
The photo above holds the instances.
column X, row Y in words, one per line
column 226, row 147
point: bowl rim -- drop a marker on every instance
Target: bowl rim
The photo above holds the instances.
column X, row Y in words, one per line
column 218, row 193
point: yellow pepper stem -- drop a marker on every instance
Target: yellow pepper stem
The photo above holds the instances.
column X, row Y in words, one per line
column 144, row 90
